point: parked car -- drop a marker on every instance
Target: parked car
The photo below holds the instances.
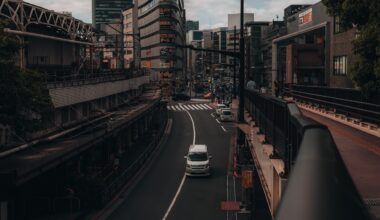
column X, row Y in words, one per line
column 198, row 161
column 180, row 97
column 226, row 115
column 219, row 108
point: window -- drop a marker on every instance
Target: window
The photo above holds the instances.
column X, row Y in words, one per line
column 337, row 26
column 340, row 65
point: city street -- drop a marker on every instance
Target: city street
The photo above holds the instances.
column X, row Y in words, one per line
column 165, row 192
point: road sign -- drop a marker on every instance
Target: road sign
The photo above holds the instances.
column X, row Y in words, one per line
column 247, row 177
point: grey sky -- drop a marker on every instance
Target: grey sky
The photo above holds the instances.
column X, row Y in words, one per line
column 210, row 13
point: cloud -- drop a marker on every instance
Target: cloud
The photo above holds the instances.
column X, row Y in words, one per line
column 214, row 12
column 210, row 13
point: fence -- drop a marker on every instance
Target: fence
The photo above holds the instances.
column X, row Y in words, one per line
column 349, row 102
column 319, row 186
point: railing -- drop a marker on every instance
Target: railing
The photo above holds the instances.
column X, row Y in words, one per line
column 319, row 186
column 57, row 76
column 349, row 102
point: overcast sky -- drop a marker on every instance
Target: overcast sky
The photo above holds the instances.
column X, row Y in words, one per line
column 210, row 13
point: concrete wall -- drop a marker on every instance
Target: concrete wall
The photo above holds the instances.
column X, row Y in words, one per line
column 48, row 52
column 74, row 95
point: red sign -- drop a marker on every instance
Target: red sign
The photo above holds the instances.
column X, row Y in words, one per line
column 305, row 17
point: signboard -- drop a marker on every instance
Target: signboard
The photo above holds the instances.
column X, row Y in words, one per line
column 247, row 176
column 305, row 17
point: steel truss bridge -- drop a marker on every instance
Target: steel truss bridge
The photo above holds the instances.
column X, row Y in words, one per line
column 23, row 14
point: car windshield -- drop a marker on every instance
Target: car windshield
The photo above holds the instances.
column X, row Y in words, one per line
column 198, row 156
column 226, row 113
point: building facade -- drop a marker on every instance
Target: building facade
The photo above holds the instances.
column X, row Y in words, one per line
column 192, row 25
column 313, row 52
column 234, row 40
column 131, row 38
column 105, row 11
column 161, row 26
column 219, row 42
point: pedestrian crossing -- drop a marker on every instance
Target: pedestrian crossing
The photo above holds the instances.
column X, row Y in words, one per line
column 189, row 107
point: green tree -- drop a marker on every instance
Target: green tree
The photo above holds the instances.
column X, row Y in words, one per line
column 25, row 103
column 365, row 16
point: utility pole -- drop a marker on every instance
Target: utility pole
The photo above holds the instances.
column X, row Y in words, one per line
column 241, row 74
column 235, row 62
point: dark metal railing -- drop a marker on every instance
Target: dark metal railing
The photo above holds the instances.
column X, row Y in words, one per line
column 319, row 186
column 349, row 102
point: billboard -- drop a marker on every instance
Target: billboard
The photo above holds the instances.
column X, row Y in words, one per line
column 305, row 17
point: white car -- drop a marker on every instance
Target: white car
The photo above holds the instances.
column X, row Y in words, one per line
column 198, row 161
column 219, row 108
column 226, row 115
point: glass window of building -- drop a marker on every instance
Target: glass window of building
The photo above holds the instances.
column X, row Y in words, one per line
column 340, row 65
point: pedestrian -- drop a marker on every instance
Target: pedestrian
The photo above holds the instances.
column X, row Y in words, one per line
column 276, row 88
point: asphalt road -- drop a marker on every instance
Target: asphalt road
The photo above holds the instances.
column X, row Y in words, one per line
column 159, row 194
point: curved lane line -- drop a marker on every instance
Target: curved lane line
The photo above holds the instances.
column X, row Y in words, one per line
column 184, row 176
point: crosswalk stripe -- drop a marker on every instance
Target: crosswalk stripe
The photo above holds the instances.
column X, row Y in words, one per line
column 192, row 107
column 201, row 107
column 196, row 108
column 207, row 106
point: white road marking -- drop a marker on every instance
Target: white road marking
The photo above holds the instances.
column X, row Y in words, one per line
column 177, row 108
column 194, row 106
column 224, row 129
column 218, row 121
column 182, row 107
column 212, row 115
column 175, row 197
column 206, row 106
column 168, row 107
column 186, row 107
column 191, row 107
column 184, row 176
column 202, row 107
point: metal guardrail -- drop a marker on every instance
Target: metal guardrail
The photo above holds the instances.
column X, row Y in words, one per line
column 349, row 102
column 319, row 186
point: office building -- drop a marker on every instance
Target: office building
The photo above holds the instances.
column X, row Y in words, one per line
column 131, row 38
column 234, row 21
column 192, row 25
column 161, row 26
column 105, row 11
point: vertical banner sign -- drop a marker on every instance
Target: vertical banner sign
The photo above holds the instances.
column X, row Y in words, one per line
column 247, row 177
column 305, row 17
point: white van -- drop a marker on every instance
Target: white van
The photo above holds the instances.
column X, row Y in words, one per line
column 198, row 161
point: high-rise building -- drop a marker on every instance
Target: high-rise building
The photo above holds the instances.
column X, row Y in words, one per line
column 219, row 38
column 162, row 28
column 194, row 38
column 192, row 25
column 234, row 21
column 105, row 11
column 131, row 38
